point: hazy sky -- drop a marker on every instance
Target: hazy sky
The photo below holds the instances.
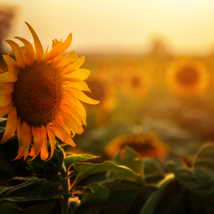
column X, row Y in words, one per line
column 119, row 25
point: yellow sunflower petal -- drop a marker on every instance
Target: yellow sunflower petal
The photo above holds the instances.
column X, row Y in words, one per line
column 6, row 88
column 8, row 77
column 20, row 154
column 67, row 59
column 80, row 131
column 18, row 132
column 38, row 46
column 73, row 101
column 5, row 100
column 76, row 84
column 44, row 149
column 19, row 55
column 29, row 56
column 81, row 74
column 5, row 109
column 83, row 97
column 11, row 125
column 59, row 49
column 11, row 64
column 37, row 142
column 73, row 66
column 26, row 137
column 51, row 137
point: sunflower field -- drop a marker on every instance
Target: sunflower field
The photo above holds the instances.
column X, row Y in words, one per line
column 101, row 133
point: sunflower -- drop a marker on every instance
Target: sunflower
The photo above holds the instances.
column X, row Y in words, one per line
column 187, row 77
column 42, row 94
column 147, row 145
column 131, row 80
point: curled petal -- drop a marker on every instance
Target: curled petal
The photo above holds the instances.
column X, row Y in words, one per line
column 26, row 137
column 38, row 46
column 44, row 149
column 29, row 56
column 83, row 97
column 51, row 137
column 11, row 64
column 19, row 55
column 59, row 48
column 11, row 125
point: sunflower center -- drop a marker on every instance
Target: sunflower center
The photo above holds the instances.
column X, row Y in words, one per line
column 188, row 76
column 37, row 94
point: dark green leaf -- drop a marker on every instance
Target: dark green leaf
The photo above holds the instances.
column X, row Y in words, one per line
column 130, row 159
column 153, row 173
column 205, row 157
column 99, row 194
column 87, row 169
column 11, row 207
column 198, row 179
column 76, row 158
column 31, row 190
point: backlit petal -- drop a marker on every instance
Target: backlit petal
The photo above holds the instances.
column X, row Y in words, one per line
column 18, row 132
column 20, row 154
column 37, row 142
column 73, row 66
column 11, row 64
column 29, row 55
column 5, row 100
column 83, row 97
column 44, row 149
column 5, row 109
column 8, row 77
column 82, row 74
column 59, row 49
column 11, row 125
column 26, row 137
column 19, row 55
column 76, row 84
column 66, row 59
column 51, row 137
column 38, row 46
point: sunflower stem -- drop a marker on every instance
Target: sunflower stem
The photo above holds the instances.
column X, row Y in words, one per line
column 65, row 200
column 66, row 186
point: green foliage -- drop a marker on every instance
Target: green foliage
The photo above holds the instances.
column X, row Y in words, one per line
column 10, row 207
column 31, row 190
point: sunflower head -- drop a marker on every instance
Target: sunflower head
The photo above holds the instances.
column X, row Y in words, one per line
column 187, row 77
column 147, row 145
column 42, row 94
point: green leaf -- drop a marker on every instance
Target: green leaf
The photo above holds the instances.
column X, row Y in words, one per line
column 156, row 197
column 87, row 169
column 99, row 194
column 153, row 173
column 11, row 207
column 205, row 157
column 31, row 190
column 76, row 158
column 198, row 179
column 130, row 159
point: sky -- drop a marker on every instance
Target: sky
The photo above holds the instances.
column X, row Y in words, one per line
column 118, row 26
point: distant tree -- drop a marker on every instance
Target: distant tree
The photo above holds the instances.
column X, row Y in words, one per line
column 7, row 15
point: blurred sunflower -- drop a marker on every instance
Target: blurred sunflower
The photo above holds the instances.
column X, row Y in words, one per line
column 187, row 77
column 131, row 80
column 147, row 145
column 41, row 93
